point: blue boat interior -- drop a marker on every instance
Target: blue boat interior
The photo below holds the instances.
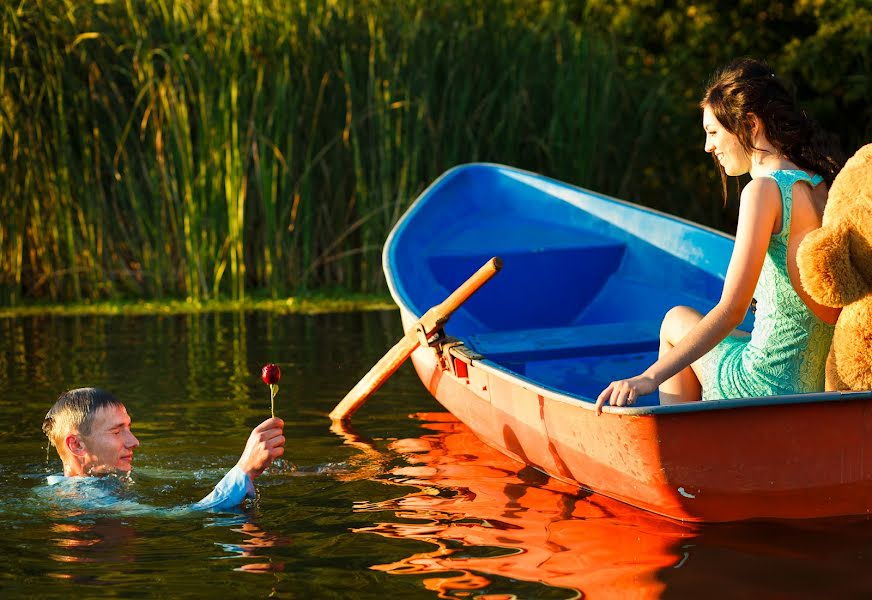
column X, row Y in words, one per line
column 586, row 279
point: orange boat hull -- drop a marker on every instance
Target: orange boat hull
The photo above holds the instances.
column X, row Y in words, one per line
column 802, row 460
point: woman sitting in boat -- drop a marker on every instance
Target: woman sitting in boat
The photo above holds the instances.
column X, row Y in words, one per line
column 752, row 125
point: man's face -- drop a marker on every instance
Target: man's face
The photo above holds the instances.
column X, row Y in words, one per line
column 109, row 446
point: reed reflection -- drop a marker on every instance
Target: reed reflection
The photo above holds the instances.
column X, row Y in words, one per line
column 489, row 516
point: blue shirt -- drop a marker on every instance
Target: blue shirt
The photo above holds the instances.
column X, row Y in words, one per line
column 235, row 487
column 98, row 492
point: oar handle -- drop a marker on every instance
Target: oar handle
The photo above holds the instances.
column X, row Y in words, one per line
column 470, row 286
column 396, row 356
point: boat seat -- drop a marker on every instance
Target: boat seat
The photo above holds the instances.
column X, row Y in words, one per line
column 547, row 281
column 563, row 342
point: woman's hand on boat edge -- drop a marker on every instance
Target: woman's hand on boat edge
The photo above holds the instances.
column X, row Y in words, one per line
column 625, row 391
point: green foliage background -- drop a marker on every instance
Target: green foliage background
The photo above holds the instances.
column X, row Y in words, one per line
column 201, row 149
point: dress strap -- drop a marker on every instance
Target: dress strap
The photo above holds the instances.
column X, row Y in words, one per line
column 785, row 179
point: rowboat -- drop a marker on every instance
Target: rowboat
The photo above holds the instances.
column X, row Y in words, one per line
column 585, row 283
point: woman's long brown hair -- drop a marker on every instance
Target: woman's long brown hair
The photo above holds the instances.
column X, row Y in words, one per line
column 749, row 87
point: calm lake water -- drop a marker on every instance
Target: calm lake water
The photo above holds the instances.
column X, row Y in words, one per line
column 409, row 505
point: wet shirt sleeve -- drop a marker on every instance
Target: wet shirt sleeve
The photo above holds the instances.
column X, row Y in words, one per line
column 235, row 487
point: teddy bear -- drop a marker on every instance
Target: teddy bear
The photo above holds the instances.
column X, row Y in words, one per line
column 835, row 266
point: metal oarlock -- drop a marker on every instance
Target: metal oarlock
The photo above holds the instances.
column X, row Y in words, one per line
column 451, row 353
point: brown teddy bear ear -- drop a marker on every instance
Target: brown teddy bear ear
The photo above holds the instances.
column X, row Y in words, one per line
column 825, row 268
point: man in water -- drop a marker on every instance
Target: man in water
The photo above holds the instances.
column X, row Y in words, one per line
column 90, row 429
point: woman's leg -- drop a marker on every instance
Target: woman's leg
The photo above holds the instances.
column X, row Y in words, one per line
column 684, row 386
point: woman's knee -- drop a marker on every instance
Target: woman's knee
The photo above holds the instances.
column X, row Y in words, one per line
column 677, row 322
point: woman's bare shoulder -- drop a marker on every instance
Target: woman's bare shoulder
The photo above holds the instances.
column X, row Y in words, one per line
column 761, row 203
column 764, row 189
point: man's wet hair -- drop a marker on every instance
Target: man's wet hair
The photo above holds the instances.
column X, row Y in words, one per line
column 74, row 411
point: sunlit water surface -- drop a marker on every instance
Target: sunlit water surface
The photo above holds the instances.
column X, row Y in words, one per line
column 408, row 505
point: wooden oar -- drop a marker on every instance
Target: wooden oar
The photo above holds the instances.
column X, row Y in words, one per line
column 432, row 320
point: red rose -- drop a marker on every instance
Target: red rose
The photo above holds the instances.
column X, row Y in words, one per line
column 270, row 374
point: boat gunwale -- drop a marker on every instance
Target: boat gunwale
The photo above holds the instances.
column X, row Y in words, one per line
column 689, row 407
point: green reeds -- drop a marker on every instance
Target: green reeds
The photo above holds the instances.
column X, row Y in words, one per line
column 201, row 149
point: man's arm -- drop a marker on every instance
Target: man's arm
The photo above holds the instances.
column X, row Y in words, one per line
column 265, row 444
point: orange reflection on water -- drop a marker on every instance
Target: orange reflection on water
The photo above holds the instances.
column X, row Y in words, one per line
column 253, row 545
column 102, row 541
column 489, row 515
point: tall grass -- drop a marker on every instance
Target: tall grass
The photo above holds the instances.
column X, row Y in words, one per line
column 197, row 148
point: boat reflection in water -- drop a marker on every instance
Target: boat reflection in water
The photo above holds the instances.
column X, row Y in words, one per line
column 473, row 496
column 492, row 519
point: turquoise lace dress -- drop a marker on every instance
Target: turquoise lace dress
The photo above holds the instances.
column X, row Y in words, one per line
column 786, row 352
